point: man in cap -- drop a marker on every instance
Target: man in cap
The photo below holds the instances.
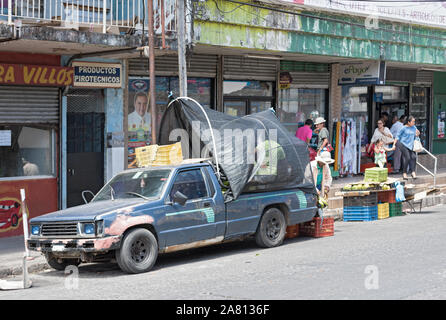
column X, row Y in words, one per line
column 323, row 135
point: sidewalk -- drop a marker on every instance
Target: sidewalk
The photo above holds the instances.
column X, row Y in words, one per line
column 12, row 249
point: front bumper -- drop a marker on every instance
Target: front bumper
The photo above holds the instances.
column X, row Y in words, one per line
column 74, row 246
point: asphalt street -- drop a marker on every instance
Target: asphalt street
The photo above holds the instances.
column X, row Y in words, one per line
column 396, row 258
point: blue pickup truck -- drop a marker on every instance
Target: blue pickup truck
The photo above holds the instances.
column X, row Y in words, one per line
column 143, row 212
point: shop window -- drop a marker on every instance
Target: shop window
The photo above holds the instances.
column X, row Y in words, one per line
column 299, row 104
column 246, row 97
column 26, row 151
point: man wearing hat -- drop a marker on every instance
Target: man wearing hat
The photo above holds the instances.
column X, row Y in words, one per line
column 323, row 134
column 322, row 161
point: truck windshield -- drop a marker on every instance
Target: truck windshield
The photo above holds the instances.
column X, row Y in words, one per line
column 143, row 184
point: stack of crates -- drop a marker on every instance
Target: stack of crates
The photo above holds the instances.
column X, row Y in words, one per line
column 388, row 197
column 155, row 155
column 383, row 210
column 359, row 208
column 395, row 209
column 376, row 175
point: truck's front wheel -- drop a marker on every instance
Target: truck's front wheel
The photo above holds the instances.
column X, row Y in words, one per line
column 59, row 263
column 272, row 228
column 138, row 252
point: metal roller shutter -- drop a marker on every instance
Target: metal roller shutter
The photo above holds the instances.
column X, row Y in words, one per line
column 310, row 80
column 243, row 68
column 307, row 74
column 29, row 105
column 197, row 66
column 425, row 76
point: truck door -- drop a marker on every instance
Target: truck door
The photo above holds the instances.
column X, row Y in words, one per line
column 195, row 220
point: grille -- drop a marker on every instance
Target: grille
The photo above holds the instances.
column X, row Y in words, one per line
column 59, row 229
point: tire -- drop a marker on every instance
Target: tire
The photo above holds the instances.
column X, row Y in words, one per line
column 14, row 220
column 138, row 251
column 271, row 230
column 60, row 264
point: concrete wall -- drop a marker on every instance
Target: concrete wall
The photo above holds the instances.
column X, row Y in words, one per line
column 227, row 24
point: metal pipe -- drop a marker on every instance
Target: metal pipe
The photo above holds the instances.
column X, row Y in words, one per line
column 152, row 93
column 163, row 27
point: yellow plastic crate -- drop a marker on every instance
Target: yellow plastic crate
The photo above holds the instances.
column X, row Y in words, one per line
column 155, row 155
column 145, row 155
column 168, row 154
column 383, row 210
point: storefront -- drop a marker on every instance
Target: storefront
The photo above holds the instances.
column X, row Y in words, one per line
column 405, row 92
column 29, row 137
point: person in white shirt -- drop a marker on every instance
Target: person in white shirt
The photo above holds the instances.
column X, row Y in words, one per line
column 140, row 118
column 396, row 127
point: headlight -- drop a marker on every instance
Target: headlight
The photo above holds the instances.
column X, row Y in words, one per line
column 35, row 230
column 88, row 228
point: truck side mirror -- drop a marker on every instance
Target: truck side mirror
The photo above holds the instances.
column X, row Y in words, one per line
column 180, row 198
column 83, row 195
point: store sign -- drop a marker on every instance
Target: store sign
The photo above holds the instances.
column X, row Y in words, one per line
column 285, row 80
column 97, row 75
column 362, row 73
column 34, row 75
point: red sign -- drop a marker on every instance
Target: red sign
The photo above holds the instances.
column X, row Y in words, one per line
column 34, row 75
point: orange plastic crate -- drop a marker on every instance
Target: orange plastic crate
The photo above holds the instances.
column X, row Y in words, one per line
column 314, row 229
column 386, row 196
column 292, row 231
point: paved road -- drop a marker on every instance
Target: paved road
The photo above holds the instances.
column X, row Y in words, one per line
column 397, row 258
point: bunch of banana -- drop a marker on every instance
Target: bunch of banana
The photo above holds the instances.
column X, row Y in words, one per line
column 322, row 202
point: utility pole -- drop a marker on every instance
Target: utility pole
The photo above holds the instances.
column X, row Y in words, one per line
column 152, row 93
column 182, row 72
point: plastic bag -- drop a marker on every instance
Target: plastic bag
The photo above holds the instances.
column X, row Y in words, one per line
column 399, row 193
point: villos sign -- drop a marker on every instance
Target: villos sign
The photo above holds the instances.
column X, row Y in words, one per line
column 34, row 75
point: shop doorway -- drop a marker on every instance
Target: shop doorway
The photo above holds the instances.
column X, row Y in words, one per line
column 85, row 143
column 393, row 109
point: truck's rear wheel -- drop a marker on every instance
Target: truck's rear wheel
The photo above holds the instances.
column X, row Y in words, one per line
column 60, row 263
column 138, row 252
column 272, row 228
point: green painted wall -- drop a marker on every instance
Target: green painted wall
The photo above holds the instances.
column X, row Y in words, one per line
column 228, row 24
column 438, row 145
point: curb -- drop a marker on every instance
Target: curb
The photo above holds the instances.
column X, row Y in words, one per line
column 33, row 267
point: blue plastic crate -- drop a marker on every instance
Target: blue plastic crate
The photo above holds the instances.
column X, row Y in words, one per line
column 361, row 213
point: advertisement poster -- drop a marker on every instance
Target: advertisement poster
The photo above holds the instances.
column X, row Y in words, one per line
column 139, row 118
column 440, row 126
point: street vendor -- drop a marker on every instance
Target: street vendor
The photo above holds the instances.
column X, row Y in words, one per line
column 322, row 161
column 323, row 135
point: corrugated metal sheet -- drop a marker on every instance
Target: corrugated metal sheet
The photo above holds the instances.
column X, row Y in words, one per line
column 310, row 79
column 425, row 76
column 243, row 68
column 197, row 66
column 29, row 105
column 402, row 75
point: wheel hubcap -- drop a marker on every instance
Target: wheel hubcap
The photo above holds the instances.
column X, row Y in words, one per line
column 139, row 251
column 273, row 228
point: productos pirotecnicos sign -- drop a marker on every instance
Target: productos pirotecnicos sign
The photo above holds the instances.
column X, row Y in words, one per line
column 34, row 75
column 97, row 75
